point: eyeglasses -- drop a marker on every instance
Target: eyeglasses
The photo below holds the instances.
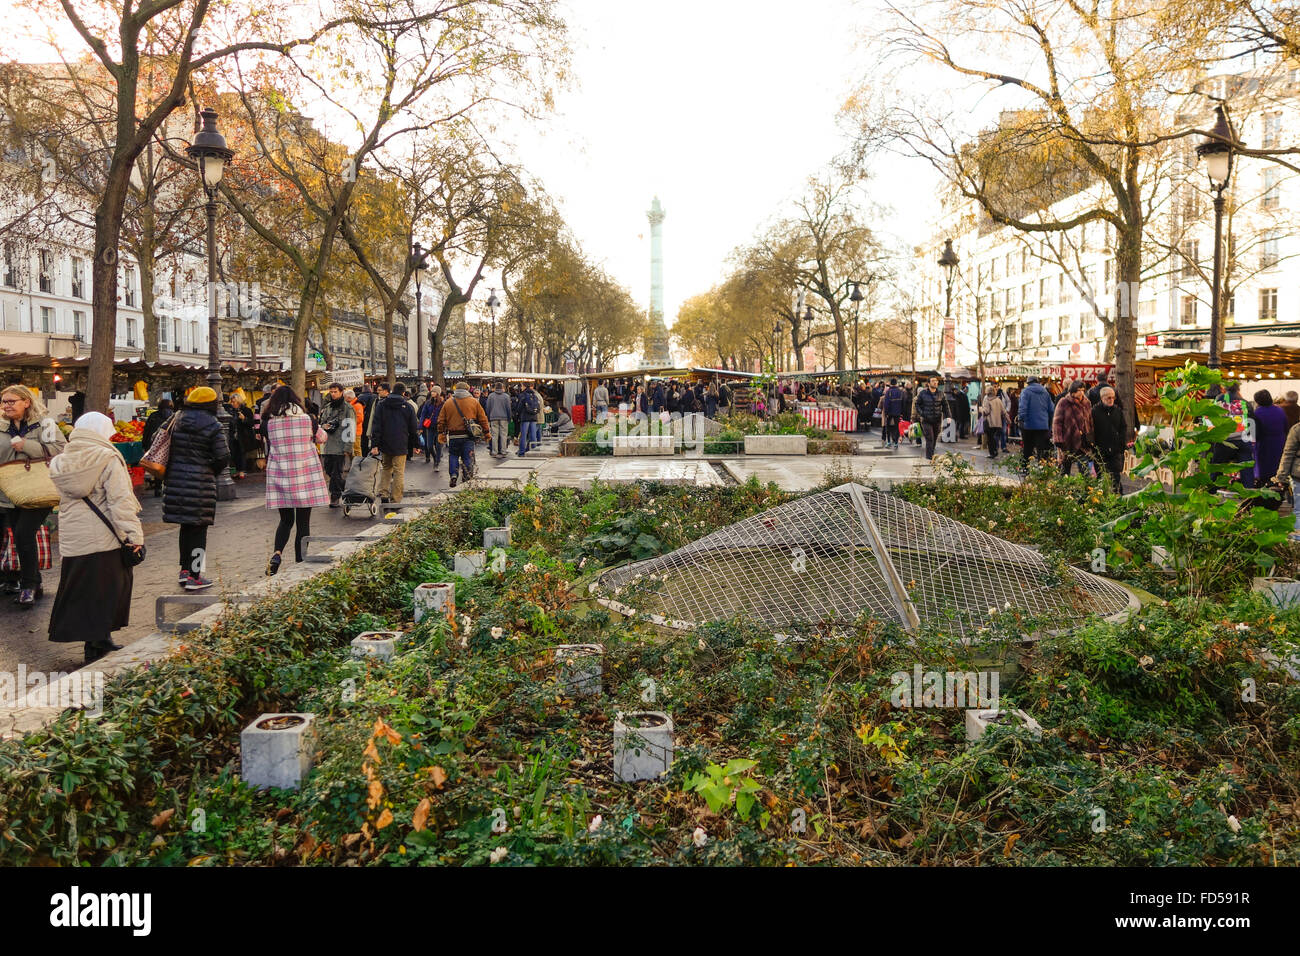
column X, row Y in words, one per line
column 11, row 401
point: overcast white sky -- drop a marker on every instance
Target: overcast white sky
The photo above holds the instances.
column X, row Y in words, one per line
column 722, row 108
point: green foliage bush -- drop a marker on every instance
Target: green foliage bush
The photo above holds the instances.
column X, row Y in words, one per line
column 466, row 750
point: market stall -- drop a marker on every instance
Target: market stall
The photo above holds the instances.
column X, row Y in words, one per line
column 830, row 418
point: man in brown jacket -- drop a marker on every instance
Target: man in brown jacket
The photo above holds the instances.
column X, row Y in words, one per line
column 459, row 413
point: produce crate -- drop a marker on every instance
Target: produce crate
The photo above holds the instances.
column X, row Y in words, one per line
column 137, row 476
column 132, row 451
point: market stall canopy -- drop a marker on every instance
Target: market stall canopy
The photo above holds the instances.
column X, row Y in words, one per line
column 666, row 371
column 1281, row 360
column 45, row 363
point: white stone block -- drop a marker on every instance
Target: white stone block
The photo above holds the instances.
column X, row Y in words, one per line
column 776, row 444
column 978, row 721
column 1283, row 592
column 643, row 745
column 381, row 645
column 277, row 750
column 496, row 538
column 581, row 667
column 1163, row 560
column 626, row 446
column 469, row 563
column 436, row 600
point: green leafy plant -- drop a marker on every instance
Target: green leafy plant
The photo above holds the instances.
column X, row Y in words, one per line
column 721, row 785
column 1206, row 520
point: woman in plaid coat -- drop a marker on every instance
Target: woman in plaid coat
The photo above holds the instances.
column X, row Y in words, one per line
column 295, row 481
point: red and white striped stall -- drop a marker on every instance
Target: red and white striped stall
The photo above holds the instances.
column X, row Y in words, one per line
column 831, row 418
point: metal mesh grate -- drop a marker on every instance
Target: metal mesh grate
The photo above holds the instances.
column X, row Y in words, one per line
column 852, row 550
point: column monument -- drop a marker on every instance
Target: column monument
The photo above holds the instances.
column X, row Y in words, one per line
column 656, row 353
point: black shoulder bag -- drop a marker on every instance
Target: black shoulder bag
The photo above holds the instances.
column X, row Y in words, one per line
column 130, row 556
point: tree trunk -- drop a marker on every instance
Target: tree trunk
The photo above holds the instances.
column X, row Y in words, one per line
column 1128, row 270
column 841, row 341
column 390, row 351
column 298, row 354
column 145, row 255
column 108, row 232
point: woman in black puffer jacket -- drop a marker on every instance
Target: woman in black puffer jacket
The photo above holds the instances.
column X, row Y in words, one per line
column 198, row 453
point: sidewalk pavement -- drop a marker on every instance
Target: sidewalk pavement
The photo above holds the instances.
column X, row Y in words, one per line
column 239, row 546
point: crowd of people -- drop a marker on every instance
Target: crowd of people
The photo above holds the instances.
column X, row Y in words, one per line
column 307, row 446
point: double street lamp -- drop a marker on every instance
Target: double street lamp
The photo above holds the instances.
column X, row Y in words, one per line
column 492, row 303
column 419, row 263
column 1216, row 152
column 210, row 154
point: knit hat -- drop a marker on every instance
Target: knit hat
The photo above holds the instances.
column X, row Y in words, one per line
column 201, row 396
column 97, row 423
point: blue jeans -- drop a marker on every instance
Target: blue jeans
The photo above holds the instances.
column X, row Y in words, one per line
column 530, row 435
column 460, row 451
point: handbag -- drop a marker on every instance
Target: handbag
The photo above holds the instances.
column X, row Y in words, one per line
column 979, row 426
column 155, row 459
column 474, row 429
column 26, row 482
column 130, row 557
column 9, row 553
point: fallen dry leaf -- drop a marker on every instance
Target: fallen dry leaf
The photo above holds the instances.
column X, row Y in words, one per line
column 161, row 819
column 421, row 815
column 1011, row 842
column 384, row 820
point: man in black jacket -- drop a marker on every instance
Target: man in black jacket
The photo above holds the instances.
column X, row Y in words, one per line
column 392, row 429
column 930, row 408
column 1109, row 435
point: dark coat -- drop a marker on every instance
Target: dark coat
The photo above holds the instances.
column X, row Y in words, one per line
column 1109, row 430
column 198, row 453
column 931, row 407
column 395, row 427
column 156, row 420
column 1035, row 408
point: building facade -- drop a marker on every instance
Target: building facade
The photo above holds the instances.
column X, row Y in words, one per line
column 1038, row 298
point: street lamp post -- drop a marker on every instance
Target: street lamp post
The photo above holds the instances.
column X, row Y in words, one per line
column 1216, row 151
column 492, row 304
column 949, row 261
column 856, row 298
column 210, row 154
column 419, row 262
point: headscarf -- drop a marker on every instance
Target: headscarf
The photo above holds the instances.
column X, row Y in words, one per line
column 97, row 423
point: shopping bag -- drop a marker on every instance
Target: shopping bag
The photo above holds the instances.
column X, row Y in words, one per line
column 26, row 482
column 44, row 553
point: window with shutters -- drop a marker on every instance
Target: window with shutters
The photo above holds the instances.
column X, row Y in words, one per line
column 1267, row 304
column 1272, row 197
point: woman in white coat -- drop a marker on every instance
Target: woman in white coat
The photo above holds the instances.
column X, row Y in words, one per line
column 94, row 597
